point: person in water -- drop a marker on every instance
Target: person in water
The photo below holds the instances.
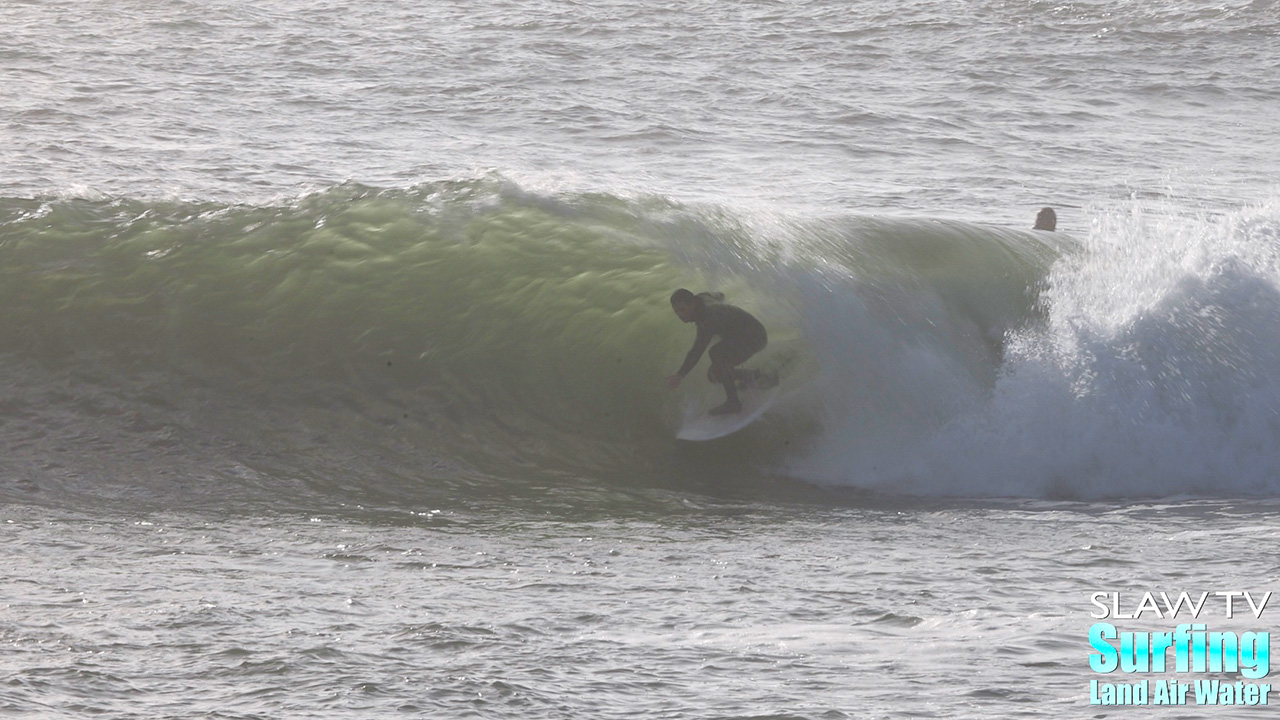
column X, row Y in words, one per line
column 1046, row 219
column 741, row 336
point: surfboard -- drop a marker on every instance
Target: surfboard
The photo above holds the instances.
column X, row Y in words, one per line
column 755, row 401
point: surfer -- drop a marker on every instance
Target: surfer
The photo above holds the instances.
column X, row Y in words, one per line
column 741, row 336
column 1046, row 219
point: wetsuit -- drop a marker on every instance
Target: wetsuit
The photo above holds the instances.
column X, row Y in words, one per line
column 741, row 335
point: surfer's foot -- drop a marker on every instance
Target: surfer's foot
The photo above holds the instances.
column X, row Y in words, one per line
column 756, row 379
column 728, row 408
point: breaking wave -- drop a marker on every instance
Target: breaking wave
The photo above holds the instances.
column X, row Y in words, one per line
column 477, row 340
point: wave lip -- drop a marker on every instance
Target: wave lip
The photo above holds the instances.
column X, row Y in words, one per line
column 1156, row 372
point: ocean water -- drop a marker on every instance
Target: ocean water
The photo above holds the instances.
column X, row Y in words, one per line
column 335, row 336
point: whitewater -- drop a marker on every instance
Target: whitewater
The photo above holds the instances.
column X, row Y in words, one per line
column 334, row 339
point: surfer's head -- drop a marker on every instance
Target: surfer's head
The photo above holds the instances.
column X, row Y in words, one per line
column 1047, row 219
column 685, row 305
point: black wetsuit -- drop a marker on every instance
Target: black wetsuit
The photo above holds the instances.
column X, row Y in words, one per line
column 741, row 335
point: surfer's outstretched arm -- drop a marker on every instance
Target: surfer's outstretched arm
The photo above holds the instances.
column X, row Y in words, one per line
column 700, row 344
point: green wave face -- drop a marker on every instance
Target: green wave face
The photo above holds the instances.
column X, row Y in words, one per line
column 378, row 343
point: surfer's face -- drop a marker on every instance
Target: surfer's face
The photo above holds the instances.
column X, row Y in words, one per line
column 683, row 310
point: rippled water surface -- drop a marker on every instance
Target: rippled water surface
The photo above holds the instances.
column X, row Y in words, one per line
column 728, row 611
column 979, row 110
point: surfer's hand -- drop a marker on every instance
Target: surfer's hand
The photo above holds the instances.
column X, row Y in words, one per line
column 673, row 381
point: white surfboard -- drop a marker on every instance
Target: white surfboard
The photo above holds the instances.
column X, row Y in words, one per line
column 709, row 427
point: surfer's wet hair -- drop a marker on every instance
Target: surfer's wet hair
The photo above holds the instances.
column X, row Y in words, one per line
column 1046, row 219
column 682, row 296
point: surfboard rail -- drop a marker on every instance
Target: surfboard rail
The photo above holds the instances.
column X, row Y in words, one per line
column 703, row 427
